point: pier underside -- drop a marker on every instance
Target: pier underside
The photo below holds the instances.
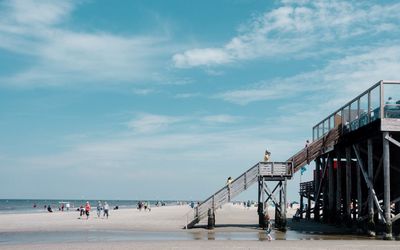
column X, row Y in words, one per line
column 356, row 182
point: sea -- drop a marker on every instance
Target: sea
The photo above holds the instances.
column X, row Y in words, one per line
column 12, row 206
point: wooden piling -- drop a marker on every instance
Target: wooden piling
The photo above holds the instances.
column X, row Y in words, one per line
column 348, row 186
column 338, row 187
column 371, row 222
column 316, row 195
column 386, row 186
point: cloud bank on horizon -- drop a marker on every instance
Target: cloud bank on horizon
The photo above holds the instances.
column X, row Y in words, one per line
column 181, row 94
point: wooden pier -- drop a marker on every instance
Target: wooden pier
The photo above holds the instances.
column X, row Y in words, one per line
column 357, row 164
column 356, row 180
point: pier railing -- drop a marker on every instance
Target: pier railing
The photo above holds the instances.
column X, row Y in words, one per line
column 381, row 101
column 316, row 148
column 307, row 187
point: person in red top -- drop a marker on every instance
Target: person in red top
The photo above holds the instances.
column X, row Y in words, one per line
column 87, row 210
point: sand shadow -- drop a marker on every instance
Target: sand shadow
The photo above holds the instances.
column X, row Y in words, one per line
column 248, row 226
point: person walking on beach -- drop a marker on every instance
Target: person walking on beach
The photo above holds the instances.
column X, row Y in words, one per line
column 99, row 207
column 105, row 209
column 268, row 225
column 87, row 210
column 81, row 211
column 248, row 204
column 147, row 206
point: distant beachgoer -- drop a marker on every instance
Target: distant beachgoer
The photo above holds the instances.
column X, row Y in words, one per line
column 81, row 211
column 67, row 206
column 34, row 205
column 148, row 206
column 268, row 227
column 49, row 209
column 98, row 209
column 87, row 210
column 192, row 204
column 248, row 204
column 116, row 207
column 106, row 207
column 307, row 144
column 267, row 155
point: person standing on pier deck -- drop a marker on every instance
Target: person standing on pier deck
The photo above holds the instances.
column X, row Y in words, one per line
column 267, row 155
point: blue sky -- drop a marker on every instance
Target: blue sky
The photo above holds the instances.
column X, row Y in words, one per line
column 165, row 99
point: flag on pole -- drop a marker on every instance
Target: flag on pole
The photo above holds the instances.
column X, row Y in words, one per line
column 302, row 170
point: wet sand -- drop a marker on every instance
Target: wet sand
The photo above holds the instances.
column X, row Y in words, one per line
column 163, row 228
column 233, row 244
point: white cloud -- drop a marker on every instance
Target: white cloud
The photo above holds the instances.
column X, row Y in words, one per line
column 341, row 79
column 294, row 28
column 149, row 123
column 198, row 57
column 186, row 95
column 36, row 13
column 144, row 91
column 221, row 119
column 63, row 56
column 274, row 89
column 155, row 124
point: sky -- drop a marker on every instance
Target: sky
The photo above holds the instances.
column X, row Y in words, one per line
column 166, row 99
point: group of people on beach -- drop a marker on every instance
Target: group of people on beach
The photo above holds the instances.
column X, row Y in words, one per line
column 85, row 210
column 102, row 207
column 144, row 205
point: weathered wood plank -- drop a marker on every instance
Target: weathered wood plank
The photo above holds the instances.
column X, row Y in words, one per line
column 390, row 124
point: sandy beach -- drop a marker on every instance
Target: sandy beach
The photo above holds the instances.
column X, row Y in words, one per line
column 162, row 228
column 159, row 219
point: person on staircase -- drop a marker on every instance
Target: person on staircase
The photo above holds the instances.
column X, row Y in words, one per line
column 228, row 184
column 307, row 151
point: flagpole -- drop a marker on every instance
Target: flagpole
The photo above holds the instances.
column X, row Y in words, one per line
column 301, row 174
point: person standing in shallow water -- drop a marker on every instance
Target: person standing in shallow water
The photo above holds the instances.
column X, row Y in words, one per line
column 268, row 227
